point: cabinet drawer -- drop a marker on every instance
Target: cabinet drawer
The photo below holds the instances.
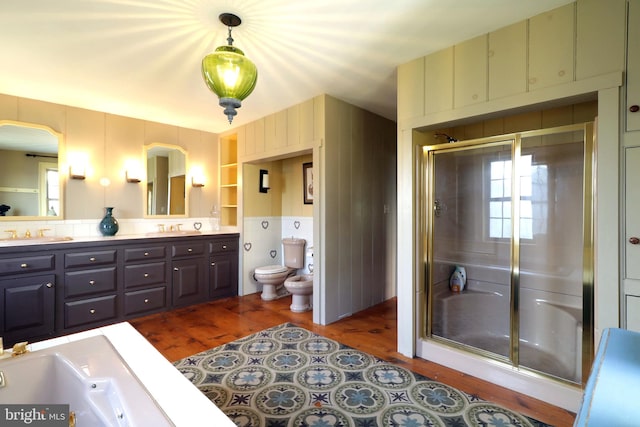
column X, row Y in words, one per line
column 143, row 301
column 27, row 264
column 144, row 274
column 140, row 254
column 230, row 245
column 187, row 249
column 83, row 259
column 89, row 311
column 88, row 282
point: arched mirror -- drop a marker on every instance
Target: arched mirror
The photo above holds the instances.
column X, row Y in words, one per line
column 166, row 189
column 30, row 182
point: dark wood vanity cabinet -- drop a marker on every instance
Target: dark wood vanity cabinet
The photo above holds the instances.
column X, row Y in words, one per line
column 90, row 288
column 223, row 268
column 28, row 305
column 188, row 273
column 55, row 289
column 145, row 280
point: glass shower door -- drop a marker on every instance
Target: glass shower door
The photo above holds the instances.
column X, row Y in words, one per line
column 552, row 238
column 464, row 180
column 513, row 281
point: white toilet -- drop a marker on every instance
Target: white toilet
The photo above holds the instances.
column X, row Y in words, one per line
column 272, row 277
column 301, row 288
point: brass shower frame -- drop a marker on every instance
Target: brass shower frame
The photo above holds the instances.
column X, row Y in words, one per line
column 425, row 214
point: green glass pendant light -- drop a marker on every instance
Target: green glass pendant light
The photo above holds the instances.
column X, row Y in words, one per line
column 228, row 73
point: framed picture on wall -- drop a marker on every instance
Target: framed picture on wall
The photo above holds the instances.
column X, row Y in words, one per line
column 307, row 182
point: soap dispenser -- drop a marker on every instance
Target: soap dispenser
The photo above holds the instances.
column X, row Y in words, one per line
column 458, row 279
column 215, row 218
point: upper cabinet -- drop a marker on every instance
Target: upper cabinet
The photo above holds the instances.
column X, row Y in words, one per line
column 633, row 67
column 508, row 61
column 574, row 49
column 470, row 72
column 551, row 47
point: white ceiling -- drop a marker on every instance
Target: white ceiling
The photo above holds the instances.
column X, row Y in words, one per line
column 141, row 58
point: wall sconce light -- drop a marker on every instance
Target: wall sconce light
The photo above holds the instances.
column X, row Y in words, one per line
column 132, row 177
column 77, row 172
column 197, row 182
column 264, row 181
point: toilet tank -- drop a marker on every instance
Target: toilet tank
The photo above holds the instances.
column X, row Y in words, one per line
column 293, row 252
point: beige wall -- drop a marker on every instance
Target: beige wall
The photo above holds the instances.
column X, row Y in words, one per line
column 109, row 141
column 285, row 195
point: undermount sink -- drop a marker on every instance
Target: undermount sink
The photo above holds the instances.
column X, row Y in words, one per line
column 33, row 240
column 173, row 233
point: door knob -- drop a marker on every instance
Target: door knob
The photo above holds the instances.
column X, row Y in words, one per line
column 634, row 240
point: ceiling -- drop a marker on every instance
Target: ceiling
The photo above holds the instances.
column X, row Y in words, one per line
column 141, row 58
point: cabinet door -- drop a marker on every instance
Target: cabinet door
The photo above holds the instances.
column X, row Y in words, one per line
column 223, row 275
column 551, row 47
column 470, row 72
column 633, row 66
column 632, row 207
column 632, row 246
column 188, row 284
column 438, row 81
column 28, row 308
column 411, row 89
column 508, row 61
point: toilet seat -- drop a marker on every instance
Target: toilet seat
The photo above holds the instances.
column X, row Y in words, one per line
column 271, row 269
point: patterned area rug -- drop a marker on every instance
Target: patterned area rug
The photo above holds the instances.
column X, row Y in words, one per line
column 288, row 376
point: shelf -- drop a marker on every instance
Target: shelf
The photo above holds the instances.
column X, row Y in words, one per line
column 229, row 165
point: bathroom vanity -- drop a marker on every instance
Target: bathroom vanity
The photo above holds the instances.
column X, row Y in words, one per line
column 58, row 288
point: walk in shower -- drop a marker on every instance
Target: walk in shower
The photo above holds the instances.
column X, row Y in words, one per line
column 527, row 300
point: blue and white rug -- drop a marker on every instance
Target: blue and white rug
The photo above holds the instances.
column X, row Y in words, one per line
column 287, row 376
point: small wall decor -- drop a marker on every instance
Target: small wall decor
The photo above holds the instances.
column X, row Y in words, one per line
column 307, row 179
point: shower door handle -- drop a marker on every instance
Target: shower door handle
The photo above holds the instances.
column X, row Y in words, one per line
column 634, row 240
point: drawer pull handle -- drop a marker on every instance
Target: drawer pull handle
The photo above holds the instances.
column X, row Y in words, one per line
column 146, row 300
column 92, row 259
column 92, row 311
column 24, row 265
column 189, row 250
column 176, row 269
column 146, row 254
column 49, row 285
column 213, row 264
column 146, row 274
column 92, row 282
column 224, row 246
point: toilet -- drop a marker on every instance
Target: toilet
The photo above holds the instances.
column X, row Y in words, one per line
column 301, row 288
column 272, row 277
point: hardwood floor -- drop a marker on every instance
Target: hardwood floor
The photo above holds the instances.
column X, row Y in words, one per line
column 187, row 331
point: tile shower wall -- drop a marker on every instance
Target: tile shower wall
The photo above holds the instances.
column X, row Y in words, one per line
column 262, row 244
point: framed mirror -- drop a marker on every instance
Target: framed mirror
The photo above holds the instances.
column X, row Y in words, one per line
column 31, row 185
column 166, row 184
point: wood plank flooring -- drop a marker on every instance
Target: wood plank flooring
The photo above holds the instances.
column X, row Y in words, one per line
column 189, row 330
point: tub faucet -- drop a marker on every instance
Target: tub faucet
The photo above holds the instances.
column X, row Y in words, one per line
column 19, row 349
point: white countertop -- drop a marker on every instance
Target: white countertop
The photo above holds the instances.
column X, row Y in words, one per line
column 181, row 401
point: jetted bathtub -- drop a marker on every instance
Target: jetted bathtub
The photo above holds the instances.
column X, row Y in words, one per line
column 90, row 376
